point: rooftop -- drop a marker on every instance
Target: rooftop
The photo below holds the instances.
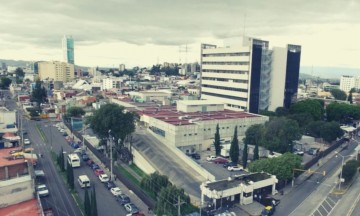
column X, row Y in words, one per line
column 4, row 153
column 236, row 181
column 199, row 102
column 28, row 208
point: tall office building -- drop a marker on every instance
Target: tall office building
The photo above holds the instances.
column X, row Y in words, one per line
column 56, row 71
column 68, row 49
column 250, row 77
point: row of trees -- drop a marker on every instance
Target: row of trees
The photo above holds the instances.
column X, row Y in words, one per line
column 167, row 195
column 90, row 204
column 68, row 169
column 169, row 71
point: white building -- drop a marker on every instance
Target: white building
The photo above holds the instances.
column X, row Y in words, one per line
column 111, row 83
column 7, row 118
column 56, row 71
column 191, row 127
column 121, row 67
column 250, row 77
column 349, row 82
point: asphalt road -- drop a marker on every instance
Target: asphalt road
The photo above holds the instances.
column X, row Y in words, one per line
column 291, row 201
column 59, row 199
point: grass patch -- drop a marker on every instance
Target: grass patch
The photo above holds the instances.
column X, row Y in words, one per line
column 41, row 132
column 128, row 175
column 137, row 170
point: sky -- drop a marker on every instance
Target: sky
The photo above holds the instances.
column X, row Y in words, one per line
column 146, row 32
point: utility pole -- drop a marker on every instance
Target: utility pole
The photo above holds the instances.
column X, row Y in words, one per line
column 179, row 205
column 111, row 156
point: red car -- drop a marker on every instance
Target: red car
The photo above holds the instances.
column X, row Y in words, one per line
column 220, row 161
column 98, row 172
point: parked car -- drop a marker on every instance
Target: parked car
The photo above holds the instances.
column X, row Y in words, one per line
column 42, row 190
column 235, row 168
column 85, row 157
column 109, row 185
column 268, row 211
column 229, row 164
column 211, row 158
column 78, row 150
column 131, row 208
column 220, row 161
column 90, row 163
column 123, row 199
column 269, row 201
column 196, row 156
column 313, row 151
column 98, row 172
column 116, row 191
column 94, row 166
column 104, row 178
column 300, row 153
column 27, row 142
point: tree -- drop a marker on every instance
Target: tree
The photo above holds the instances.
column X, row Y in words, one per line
column 5, row 82
column 282, row 167
column 303, row 119
column 70, row 176
column 280, row 134
column 155, row 70
column 349, row 170
column 87, row 205
column 255, row 135
column 61, row 160
column 245, row 155
column 120, row 123
column 38, row 94
column 256, row 152
column 19, row 72
column 309, row 106
column 234, row 147
column 338, row 94
column 217, row 141
column 343, row 113
column 330, row 131
column 148, row 87
column 75, row 112
column 281, row 111
column 94, row 211
column 350, row 98
column 155, row 182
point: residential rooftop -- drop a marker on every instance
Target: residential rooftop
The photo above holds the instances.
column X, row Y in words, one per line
column 4, row 153
column 28, row 208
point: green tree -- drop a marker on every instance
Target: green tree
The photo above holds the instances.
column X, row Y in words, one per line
column 303, row 119
column 312, row 107
column 281, row 111
column 280, row 134
column 87, row 205
column 350, row 97
column 120, row 123
column 155, row 182
column 5, row 82
column 94, row 211
column 282, row 167
column 330, row 131
column 217, row 141
column 234, row 147
column 255, row 135
column 256, row 152
column 245, row 155
column 350, row 169
column 343, row 113
column 61, row 160
column 70, row 176
column 338, row 94
column 75, row 112
column 19, row 72
column 38, row 94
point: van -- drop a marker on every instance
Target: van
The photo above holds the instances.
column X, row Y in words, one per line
column 84, row 181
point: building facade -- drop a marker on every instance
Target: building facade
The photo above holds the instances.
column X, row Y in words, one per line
column 111, row 83
column 56, row 71
column 349, row 82
column 121, row 67
column 251, row 77
column 68, row 49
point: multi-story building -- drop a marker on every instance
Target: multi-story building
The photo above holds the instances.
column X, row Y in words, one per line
column 251, row 77
column 121, row 67
column 56, row 71
column 111, row 83
column 68, row 49
column 349, row 82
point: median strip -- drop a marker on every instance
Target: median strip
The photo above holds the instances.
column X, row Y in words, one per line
column 41, row 132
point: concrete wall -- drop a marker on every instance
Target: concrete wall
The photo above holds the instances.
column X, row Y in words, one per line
column 16, row 190
column 142, row 163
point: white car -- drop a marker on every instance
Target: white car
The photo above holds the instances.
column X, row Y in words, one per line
column 115, row 191
column 27, row 142
column 211, row 158
column 104, row 178
column 42, row 190
column 235, row 168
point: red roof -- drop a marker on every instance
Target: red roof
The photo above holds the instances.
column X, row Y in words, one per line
column 27, row 208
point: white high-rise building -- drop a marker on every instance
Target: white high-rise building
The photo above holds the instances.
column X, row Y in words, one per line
column 250, row 77
column 111, row 83
column 56, row 71
column 349, row 82
column 121, row 67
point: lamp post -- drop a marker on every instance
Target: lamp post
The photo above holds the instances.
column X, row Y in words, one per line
column 342, row 166
column 111, row 156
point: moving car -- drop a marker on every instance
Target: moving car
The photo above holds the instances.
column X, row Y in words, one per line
column 98, row 172
column 131, row 208
column 220, row 161
column 116, row 191
column 104, row 178
column 235, row 168
column 42, row 190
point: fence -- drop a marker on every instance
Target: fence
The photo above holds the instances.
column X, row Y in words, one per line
column 128, row 183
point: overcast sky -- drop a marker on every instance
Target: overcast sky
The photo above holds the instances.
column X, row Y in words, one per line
column 144, row 32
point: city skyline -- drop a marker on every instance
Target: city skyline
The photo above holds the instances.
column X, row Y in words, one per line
column 145, row 33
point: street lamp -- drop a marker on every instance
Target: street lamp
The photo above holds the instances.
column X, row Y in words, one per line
column 111, row 156
column 342, row 165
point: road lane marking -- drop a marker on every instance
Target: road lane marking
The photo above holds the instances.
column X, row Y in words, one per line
column 353, row 206
column 332, row 200
column 324, row 208
column 328, row 203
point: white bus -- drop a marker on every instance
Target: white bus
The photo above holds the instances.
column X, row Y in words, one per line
column 84, row 181
column 74, row 160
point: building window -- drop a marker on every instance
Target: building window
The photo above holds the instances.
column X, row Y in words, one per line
column 195, row 134
column 247, row 194
column 184, row 134
column 190, row 134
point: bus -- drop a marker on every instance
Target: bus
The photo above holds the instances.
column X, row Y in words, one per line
column 74, row 160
